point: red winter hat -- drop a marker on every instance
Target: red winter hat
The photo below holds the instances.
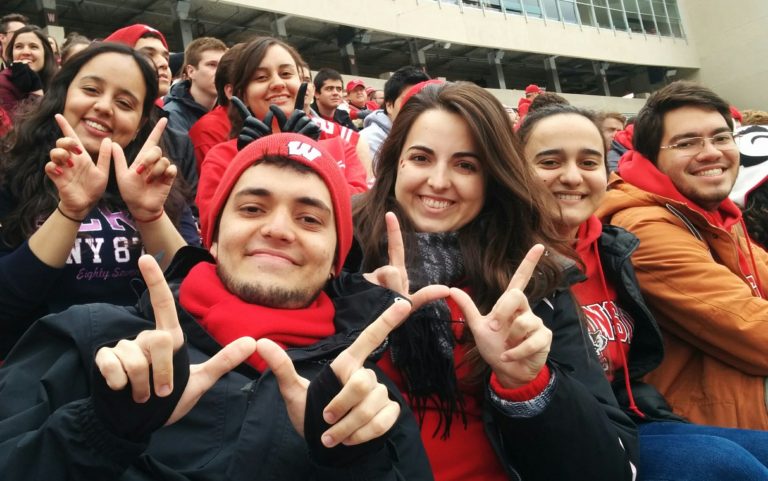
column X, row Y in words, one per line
column 130, row 35
column 353, row 84
column 305, row 151
column 532, row 89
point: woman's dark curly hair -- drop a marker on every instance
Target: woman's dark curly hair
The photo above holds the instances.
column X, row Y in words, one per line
column 25, row 150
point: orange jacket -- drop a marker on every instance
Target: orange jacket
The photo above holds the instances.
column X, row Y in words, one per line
column 715, row 329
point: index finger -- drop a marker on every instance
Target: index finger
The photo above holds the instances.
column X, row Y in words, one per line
column 372, row 336
column 155, row 135
column 240, row 106
column 395, row 247
column 66, row 129
column 160, row 294
column 526, row 268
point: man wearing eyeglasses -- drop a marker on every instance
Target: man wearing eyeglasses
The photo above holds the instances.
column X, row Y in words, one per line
column 704, row 280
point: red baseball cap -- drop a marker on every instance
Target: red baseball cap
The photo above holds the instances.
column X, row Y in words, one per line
column 353, row 84
column 532, row 89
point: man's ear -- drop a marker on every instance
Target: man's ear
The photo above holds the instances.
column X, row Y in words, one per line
column 214, row 250
column 188, row 69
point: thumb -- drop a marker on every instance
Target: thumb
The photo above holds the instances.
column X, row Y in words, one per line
column 231, row 356
column 292, row 386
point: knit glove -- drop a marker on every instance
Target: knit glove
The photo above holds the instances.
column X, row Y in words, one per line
column 253, row 128
column 24, row 78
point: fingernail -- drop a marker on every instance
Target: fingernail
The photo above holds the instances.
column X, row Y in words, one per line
column 77, row 150
column 140, row 169
column 164, row 390
column 58, row 171
column 329, row 417
column 70, row 163
column 327, row 441
column 495, row 325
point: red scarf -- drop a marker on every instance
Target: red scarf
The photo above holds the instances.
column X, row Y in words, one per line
column 226, row 317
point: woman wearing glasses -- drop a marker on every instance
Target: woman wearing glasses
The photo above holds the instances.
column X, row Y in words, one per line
column 564, row 146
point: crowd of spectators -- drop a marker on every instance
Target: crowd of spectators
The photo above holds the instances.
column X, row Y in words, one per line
column 218, row 265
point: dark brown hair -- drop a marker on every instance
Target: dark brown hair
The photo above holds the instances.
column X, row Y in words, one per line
column 247, row 63
column 649, row 124
column 514, row 215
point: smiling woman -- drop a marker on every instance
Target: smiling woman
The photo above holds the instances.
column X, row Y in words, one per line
column 34, row 64
column 564, row 145
column 478, row 367
column 73, row 224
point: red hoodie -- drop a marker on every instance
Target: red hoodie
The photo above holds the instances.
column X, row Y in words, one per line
column 609, row 326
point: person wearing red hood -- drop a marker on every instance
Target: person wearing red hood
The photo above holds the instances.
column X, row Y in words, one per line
column 563, row 145
column 701, row 275
column 151, row 42
column 524, row 104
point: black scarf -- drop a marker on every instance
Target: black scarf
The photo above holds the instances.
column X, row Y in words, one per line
column 422, row 348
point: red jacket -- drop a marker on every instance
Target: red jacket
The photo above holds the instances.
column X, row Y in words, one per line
column 211, row 129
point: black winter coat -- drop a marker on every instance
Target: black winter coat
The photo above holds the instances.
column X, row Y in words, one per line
column 239, row 430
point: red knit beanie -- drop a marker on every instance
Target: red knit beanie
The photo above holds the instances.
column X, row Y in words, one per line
column 130, row 35
column 305, row 151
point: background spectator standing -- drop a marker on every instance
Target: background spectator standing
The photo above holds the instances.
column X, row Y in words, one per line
column 30, row 74
column 611, row 123
column 328, row 97
column 190, row 99
column 9, row 24
column 379, row 123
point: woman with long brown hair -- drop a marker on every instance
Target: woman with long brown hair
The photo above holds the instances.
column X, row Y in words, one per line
column 514, row 393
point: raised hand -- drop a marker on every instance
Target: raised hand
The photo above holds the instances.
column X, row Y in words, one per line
column 253, row 128
column 80, row 182
column 362, row 411
column 130, row 362
column 510, row 338
column 394, row 276
column 144, row 186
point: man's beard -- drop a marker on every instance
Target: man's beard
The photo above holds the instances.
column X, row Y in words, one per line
column 268, row 296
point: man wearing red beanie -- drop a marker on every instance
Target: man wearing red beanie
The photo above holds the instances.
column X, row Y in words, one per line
column 151, row 42
column 302, row 402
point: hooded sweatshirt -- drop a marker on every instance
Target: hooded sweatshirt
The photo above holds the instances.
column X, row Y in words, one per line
column 703, row 281
column 609, row 327
column 376, row 130
column 621, row 143
column 182, row 108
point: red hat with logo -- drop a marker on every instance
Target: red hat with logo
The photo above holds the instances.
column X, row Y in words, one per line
column 353, row 84
column 305, row 151
column 131, row 34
